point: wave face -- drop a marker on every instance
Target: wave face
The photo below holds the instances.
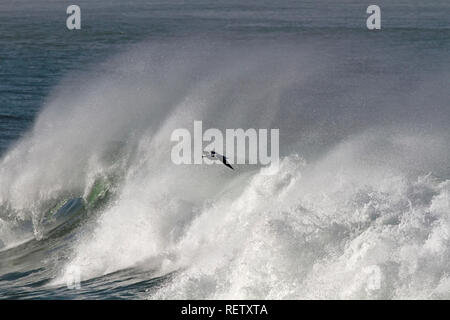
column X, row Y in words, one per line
column 359, row 208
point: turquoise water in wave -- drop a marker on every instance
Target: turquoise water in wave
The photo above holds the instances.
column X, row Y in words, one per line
column 39, row 56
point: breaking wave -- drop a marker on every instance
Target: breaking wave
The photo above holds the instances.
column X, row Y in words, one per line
column 358, row 209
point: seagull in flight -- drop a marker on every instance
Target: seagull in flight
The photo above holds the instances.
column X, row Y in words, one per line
column 213, row 155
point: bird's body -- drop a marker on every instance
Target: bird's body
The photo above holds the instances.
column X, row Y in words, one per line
column 213, row 155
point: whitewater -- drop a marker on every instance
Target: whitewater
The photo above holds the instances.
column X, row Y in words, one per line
column 362, row 214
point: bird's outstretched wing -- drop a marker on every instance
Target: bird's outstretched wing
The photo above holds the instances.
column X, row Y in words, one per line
column 225, row 162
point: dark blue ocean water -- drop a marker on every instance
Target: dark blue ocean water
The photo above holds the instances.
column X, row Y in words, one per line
column 37, row 52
